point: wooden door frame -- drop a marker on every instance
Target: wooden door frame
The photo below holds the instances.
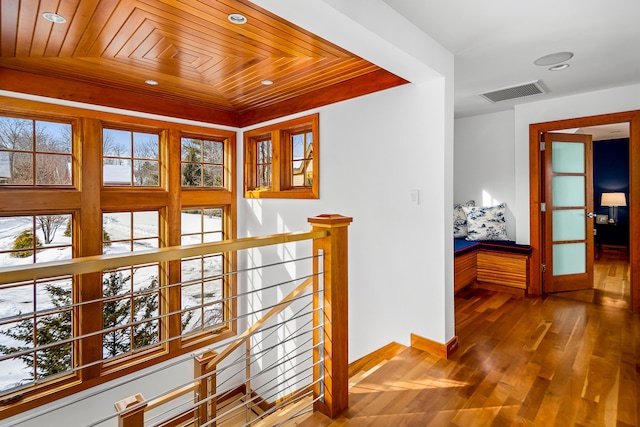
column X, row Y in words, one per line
column 535, row 168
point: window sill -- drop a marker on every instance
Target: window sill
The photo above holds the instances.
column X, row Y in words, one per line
column 306, row 193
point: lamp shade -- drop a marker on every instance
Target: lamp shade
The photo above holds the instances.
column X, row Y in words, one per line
column 613, row 199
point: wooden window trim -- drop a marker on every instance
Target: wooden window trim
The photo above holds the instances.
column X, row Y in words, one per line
column 227, row 181
column 88, row 199
column 162, row 140
column 75, row 148
column 279, row 134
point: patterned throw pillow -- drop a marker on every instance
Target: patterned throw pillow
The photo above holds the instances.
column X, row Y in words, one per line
column 460, row 219
column 486, row 223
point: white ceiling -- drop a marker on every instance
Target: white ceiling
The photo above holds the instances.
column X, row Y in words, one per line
column 495, row 43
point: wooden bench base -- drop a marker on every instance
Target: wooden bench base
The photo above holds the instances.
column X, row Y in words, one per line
column 492, row 269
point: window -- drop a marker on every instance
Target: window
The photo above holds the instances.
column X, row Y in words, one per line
column 35, row 152
column 128, row 191
column 36, row 320
column 264, row 163
column 131, row 312
column 282, row 160
column 301, row 159
column 202, row 163
column 130, row 158
column 202, row 280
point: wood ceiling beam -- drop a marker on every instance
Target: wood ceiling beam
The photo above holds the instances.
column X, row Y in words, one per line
column 359, row 86
column 72, row 90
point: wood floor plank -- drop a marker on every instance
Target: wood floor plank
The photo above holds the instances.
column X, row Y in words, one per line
column 549, row 361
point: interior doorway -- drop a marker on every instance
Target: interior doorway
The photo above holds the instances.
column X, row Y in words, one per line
column 537, row 195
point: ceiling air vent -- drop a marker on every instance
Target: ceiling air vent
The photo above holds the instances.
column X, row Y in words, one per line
column 513, row 92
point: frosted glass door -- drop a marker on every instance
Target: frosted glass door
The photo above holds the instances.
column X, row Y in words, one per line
column 568, row 187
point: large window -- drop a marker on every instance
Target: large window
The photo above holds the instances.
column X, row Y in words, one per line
column 282, row 160
column 77, row 186
column 202, row 286
column 36, row 319
column 132, row 297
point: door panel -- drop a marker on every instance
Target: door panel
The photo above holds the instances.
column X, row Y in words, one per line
column 568, row 193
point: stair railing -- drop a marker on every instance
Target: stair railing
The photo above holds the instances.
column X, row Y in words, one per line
column 329, row 388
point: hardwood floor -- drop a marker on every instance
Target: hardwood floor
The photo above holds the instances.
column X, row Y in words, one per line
column 611, row 278
column 522, row 362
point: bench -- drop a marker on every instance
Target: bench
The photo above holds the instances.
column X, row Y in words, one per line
column 495, row 265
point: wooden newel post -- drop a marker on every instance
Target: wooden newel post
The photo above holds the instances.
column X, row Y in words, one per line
column 133, row 417
column 206, row 388
column 335, row 304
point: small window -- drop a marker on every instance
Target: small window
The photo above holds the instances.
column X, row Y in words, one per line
column 130, row 158
column 264, row 163
column 35, row 152
column 131, row 309
column 282, row 160
column 302, row 159
column 202, row 163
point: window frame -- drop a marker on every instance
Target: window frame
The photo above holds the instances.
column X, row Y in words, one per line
column 202, row 163
column 281, row 167
column 133, row 158
column 75, row 148
column 88, row 199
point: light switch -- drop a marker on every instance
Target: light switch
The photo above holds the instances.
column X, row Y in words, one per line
column 414, row 197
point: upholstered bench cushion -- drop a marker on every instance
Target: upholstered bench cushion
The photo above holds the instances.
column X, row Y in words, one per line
column 462, row 246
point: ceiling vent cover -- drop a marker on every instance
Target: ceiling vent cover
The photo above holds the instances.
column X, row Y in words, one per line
column 514, row 92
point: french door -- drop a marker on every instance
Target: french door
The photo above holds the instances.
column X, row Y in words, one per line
column 568, row 219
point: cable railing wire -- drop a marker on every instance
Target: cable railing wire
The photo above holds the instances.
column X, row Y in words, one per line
column 142, row 321
column 139, row 292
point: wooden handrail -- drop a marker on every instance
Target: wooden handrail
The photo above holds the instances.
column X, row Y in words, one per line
column 134, row 406
column 284, row 303
column 95, row 263
column 153, row 404
column 330, row 350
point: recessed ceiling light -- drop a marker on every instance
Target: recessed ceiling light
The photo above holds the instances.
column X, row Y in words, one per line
column 559, row 67
column 553, row 59
column 267, row 82
column 236, row 18
column 151, row 82
column 54, row 17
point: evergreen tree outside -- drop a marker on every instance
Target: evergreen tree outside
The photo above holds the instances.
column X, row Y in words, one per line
column 54, row 328
column 202, row 163
column 191, row 166
column 49, row 330
column 119, row 313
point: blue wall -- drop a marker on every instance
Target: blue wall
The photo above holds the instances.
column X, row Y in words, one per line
column 611, row 174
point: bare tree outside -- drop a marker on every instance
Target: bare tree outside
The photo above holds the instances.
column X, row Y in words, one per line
column 16, row 136
column 49, row 224
column 136, row 151
column 34, row 152
column 146, row 170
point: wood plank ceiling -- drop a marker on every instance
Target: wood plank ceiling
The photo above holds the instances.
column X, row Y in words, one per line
column 107, row 49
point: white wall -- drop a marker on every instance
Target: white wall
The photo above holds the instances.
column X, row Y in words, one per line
column 508, row 136
column 484, row 162
column 373, row 151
